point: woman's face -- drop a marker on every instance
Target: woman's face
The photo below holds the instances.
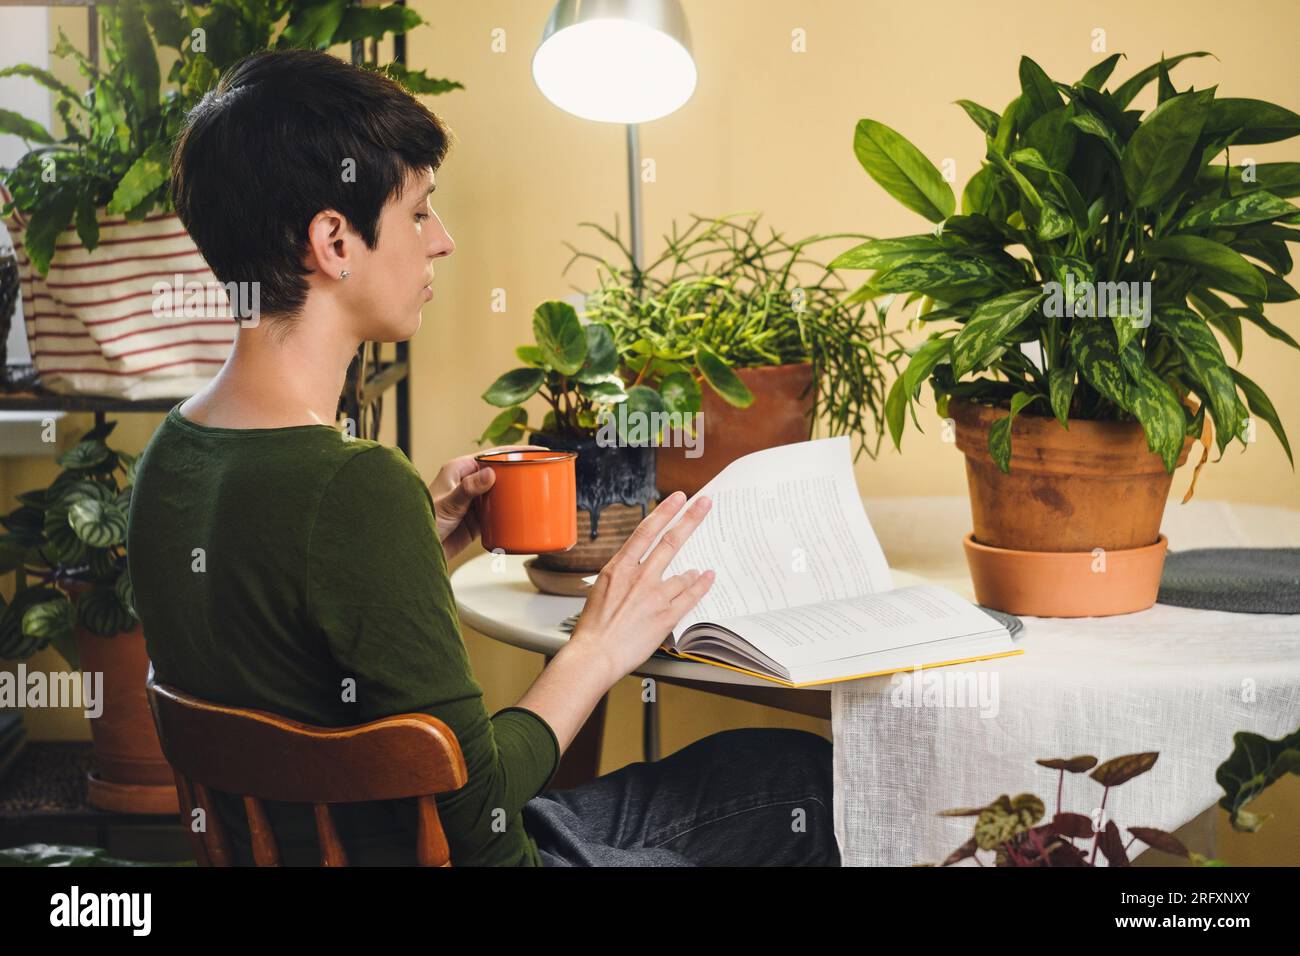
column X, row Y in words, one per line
column 392, row 282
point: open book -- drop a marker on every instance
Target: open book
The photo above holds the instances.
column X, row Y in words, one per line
column 803, row 594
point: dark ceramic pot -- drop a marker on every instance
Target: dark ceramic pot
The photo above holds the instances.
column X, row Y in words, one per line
column 616, row 488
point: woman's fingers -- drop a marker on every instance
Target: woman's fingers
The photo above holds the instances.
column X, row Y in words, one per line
column 640, row 540
column 671, row 542
column 690, row 596
column 679, row 583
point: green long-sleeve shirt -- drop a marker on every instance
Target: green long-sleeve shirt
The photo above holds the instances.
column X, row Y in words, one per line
column 296, row 571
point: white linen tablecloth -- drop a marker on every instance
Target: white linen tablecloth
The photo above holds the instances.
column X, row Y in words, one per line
column 1168, row 679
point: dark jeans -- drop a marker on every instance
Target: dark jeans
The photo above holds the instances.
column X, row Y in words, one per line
column 749, row 797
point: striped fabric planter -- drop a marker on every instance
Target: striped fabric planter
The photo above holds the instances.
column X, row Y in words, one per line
column 97, row 323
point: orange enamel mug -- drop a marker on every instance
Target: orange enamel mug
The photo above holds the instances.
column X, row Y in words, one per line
column 532, row 507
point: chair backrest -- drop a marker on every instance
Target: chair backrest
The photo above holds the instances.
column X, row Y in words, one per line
column 261, row 756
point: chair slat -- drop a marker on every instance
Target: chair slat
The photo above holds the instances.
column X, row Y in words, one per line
column 331, row 847
column 214, row 832
column 431, row 842
column 265, row 851
column 187, row 807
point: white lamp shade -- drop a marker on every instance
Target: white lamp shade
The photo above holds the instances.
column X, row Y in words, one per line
column 618, row 61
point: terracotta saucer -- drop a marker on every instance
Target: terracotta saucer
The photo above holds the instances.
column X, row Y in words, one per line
column 563, row 583
column 1066, row 583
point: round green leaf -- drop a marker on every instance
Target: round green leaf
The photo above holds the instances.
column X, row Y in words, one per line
column 681, row 393
column 14, row 643
column 49, row 620
column 84, row 455
column 83, row 490
column 514, row 387
column 722, row 378
column 530, row 355
column 63, row 545
column 506, row 423
column 101, row 612
column 98, row 523
column 560, row 336
column 602, row 357
column 607, row 391
column 642, row 404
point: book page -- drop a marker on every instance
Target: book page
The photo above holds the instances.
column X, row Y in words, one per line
column 863, row 624
column 787, row 528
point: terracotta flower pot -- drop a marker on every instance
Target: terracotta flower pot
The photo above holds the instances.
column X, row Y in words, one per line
column 132, row 775
column 780, row 414
column 1076, row 504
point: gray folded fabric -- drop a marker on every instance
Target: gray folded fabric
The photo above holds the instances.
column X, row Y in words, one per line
column 1245, row 580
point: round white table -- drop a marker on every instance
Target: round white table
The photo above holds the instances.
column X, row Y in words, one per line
column 1088, row 685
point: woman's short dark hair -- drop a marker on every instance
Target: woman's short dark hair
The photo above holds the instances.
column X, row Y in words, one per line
column 284, row 135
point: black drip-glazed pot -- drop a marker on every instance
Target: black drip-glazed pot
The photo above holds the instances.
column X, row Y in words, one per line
column 615, row 488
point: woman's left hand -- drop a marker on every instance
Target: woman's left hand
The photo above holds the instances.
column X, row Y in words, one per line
column 459, row 482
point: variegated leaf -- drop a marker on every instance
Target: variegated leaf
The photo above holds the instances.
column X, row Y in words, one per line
column 989, row 326
column 1095, row 352
column 1200, row 350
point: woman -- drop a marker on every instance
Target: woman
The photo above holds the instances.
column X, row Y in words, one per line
column 281, row 565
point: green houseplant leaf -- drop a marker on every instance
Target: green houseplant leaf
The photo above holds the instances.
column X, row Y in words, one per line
column 903, row 170
column 1256, row 762
column 1222, row 267
column 722, row 378
column 514, row 387
column 1000, row 431
column 560, row 336
column 1162, row 145
column 989, row 326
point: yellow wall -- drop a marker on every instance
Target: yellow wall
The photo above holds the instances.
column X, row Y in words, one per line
column 768, row 129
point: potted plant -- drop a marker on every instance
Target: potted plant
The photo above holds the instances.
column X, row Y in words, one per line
column 109, row 172
column 1073, row 305
column 574, row 368
column 1012, row 830
column 70, row 538
column 724, row 324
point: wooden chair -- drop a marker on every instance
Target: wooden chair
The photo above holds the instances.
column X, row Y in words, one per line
column 261, row 756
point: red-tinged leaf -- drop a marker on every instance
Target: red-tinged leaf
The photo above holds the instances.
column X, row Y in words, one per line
column 1072, row 825
column 1079, row 764
column 1067, row 854
column 1160, row 840
column 1114, row 772
column 1112, row 845
column 963, row 852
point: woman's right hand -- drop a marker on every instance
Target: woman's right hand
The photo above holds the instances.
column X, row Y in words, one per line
column 631, row 608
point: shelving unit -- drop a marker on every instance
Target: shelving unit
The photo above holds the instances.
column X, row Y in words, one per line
column 369, row 377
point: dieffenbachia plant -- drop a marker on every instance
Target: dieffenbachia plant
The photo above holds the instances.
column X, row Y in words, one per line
column 74, row 530
column 1081, row 195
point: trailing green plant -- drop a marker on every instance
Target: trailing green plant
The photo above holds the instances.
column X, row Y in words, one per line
column 1079, row 195
column 574, row 367
column 119, row 132
column 721, row 297
column 74, row 530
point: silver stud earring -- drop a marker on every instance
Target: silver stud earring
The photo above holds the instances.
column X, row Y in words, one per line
column 344, row 274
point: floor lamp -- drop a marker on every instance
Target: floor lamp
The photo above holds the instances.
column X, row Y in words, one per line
column 619, row 61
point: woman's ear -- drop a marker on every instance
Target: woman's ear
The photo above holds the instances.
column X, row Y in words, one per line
column 327, row 244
